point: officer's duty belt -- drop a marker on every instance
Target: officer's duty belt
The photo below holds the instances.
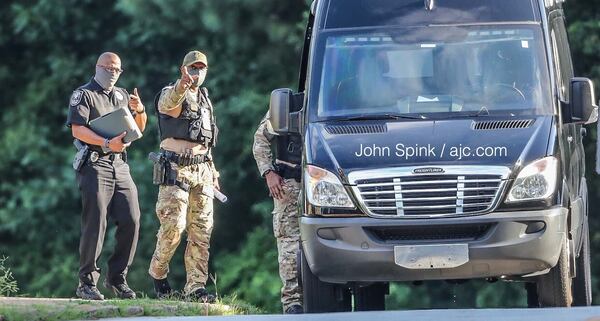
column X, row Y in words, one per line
column 287, row 171
column 184, row 160
column 94, row 156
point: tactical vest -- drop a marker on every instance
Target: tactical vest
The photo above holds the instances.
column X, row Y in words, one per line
column 289, row 148
column 196, row 123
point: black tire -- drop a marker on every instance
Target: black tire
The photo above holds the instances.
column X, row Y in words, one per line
column 370, row 298
column 554, row 289
column 322, row 297
column 582, row 284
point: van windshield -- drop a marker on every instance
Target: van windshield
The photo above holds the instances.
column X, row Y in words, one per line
column 432, row 72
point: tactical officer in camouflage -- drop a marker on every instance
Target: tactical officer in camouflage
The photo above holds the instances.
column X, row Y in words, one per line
column 186, row 174
column 283, row 180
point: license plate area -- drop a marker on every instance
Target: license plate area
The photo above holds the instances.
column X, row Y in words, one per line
column 433, row 256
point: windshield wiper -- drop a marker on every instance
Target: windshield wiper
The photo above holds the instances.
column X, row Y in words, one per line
column 378, row 117
column 482, row 112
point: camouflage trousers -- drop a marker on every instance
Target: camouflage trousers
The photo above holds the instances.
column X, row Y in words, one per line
column 180, row 211
column 287, row 233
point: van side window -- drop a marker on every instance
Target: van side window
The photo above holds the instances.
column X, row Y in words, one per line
column 562, row 54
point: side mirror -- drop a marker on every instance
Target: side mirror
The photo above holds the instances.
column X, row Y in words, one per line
column 583, row 101
column 598, row 149
column 284, row 113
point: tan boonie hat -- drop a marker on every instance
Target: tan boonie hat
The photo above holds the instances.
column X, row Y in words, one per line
column 193, row 57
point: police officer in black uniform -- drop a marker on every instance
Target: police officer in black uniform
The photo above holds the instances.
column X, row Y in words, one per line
column 106, row 186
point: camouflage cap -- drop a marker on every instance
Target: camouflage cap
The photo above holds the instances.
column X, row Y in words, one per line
column 193, row 57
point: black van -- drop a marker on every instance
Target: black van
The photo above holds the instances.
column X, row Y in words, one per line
column 442, row 141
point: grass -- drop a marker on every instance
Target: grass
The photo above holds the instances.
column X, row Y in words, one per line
column 63, row 310
column 8, row 285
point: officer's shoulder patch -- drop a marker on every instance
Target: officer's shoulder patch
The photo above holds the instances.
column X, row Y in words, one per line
column 119, row 95
column 76, row 97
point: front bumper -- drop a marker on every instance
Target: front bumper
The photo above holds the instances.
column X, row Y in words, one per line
column 340, row 250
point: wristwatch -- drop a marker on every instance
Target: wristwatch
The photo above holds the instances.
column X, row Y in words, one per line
column 267, row 172
column 135, row 112
column 106, row 143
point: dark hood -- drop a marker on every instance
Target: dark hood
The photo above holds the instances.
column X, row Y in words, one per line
column 432, row 142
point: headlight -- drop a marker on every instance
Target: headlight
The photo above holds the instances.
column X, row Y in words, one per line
column 535, row 181
column 324, row 189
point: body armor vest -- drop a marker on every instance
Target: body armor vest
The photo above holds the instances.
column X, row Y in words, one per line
column 289, row 148
column 196, row 123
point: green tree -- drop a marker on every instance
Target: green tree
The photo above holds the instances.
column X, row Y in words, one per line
column 48, row 48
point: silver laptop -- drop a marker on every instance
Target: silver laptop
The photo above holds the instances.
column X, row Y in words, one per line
column 115, row 123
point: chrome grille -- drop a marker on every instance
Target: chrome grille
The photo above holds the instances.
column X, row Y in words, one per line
column 456, row 191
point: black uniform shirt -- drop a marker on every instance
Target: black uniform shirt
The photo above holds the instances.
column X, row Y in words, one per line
column 91, row 101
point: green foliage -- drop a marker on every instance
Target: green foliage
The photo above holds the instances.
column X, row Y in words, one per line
column 49, row 48
column 8, row 284
column 441, row 295
column 252, row 272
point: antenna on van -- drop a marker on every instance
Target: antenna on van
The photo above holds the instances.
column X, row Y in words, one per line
column 429, row 4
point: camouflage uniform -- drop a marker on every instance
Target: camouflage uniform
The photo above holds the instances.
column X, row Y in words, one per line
column 178, row 210
column 285, row 219
column 192, row 211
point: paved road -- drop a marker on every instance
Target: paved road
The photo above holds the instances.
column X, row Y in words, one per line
column 554, row 314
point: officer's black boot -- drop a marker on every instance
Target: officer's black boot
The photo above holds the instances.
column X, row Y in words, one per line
column 295, row 309
column 88, row 292
column 201, row 295
column 162, row 288
column 122, row 291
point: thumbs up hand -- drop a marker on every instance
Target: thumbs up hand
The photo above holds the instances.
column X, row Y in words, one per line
column 135, row 102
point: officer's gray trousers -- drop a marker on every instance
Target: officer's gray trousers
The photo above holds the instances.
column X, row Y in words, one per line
column 107, row 191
